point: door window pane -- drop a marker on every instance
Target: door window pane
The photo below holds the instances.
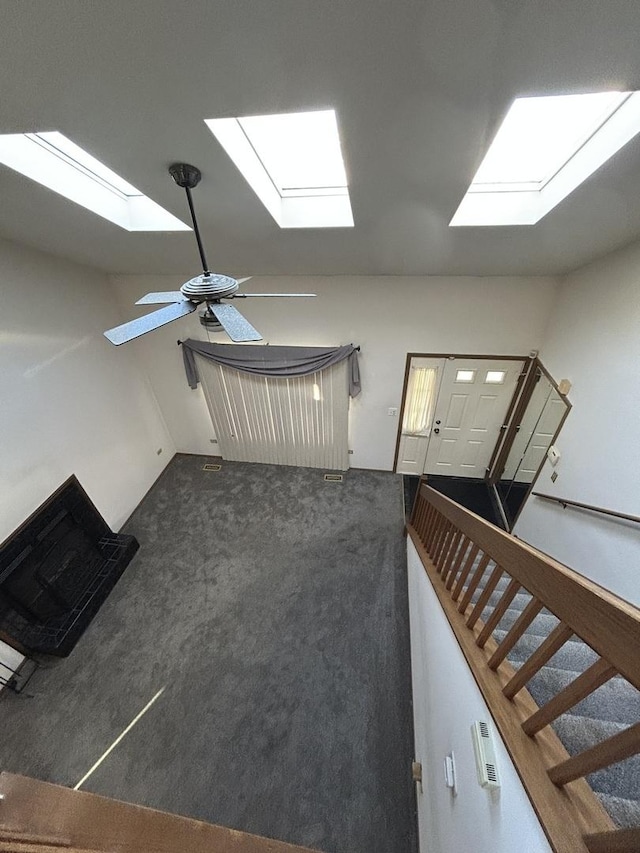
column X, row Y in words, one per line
column 421, row 398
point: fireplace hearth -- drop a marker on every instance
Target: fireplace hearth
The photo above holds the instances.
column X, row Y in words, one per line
column 56, row 570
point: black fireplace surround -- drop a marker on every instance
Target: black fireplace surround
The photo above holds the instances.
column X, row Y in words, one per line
column 56, row 570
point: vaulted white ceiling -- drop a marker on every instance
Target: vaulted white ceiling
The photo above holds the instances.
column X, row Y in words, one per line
column 419, row 88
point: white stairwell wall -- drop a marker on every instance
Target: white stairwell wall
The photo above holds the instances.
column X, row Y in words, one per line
column 446, row 701
column 594, row 341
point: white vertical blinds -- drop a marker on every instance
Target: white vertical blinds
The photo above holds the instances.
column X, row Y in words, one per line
column 420, row 402
column 300, row 420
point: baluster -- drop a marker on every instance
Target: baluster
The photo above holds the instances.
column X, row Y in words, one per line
column 616, row 841
column 598, row 674
column 446, row 549
column 473, row 583
column 436, row 530
column 560, row 635
column 609, row 751
column 421, row 515
column 464, row 574
column 515, row 632
column 429, row 512
column 439, row 544
column 498, row 612
column 462, row 550
column 485, row 595
column 432, row 524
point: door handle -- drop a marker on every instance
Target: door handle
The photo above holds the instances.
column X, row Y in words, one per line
column 436, row 430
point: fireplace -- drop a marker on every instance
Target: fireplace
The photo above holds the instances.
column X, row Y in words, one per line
column 56, row 570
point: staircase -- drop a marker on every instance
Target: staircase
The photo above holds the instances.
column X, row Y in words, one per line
column 605, row 712
column 557, row 659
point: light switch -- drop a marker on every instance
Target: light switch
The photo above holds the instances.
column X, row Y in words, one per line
column 553, row 455
column 392, row 411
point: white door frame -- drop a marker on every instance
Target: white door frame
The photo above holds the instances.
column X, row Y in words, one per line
column 431, row 355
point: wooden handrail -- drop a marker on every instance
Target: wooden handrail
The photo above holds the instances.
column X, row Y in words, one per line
column 607, row 623
column 566, row 502
column 463, row 554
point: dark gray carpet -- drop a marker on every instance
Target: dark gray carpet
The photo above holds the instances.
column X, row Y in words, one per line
column 605, row 712
column 273, row 606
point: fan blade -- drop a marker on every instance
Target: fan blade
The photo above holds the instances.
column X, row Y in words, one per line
column 156, row 298
column 242, row 280
column 142, row 325
column 234, row 323
column 242, row 295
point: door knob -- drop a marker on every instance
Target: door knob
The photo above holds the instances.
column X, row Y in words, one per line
column 436, row 430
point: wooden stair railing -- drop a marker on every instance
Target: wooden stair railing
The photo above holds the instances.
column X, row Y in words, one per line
column 458, row 550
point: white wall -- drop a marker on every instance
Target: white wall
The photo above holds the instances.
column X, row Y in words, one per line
column 594, row 341
column 387, row 316
column 446, row 701
column 70, row 402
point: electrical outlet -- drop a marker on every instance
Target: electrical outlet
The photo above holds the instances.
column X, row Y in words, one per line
column 554, row 476
column 213, row 440
column 350, row 452
column 392, row 411
column 159, row 451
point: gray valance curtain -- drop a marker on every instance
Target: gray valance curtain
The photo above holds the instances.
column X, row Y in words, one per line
column 271, row 361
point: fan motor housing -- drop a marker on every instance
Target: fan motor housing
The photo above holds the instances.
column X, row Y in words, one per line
column 204, row 287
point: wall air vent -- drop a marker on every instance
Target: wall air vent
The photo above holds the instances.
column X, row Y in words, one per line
column 485, row 755
column 333, row 478
column 211, row 466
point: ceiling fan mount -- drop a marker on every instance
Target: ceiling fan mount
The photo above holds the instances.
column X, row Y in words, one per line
column 185, row 176
column 208, row 287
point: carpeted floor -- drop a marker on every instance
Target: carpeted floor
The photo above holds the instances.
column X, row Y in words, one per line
column 272, row 607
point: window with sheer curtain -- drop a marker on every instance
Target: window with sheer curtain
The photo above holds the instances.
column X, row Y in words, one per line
column 420, row 401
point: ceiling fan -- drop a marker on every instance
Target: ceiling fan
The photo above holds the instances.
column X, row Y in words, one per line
column 209, row 288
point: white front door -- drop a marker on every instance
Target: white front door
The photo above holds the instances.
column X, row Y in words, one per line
column 417, row 416
column 472, row 403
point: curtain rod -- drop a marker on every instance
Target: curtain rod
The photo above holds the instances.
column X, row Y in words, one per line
column 179, row 342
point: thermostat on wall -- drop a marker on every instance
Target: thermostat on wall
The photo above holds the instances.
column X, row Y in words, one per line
column 553, row 455
column 485, row 755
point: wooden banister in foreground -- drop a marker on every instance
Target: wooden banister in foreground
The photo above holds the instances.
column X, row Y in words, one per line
column 462, row 553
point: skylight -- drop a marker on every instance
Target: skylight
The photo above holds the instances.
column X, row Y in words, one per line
column 59, row 164
column 294, row 164
column 544, row 149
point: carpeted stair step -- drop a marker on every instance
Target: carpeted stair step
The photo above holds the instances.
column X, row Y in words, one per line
column 578, row 733
column 519, row 602
column 541, row 627
column 623, row 812
column 608, row 710
column 574, row 656
column 617, row 701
